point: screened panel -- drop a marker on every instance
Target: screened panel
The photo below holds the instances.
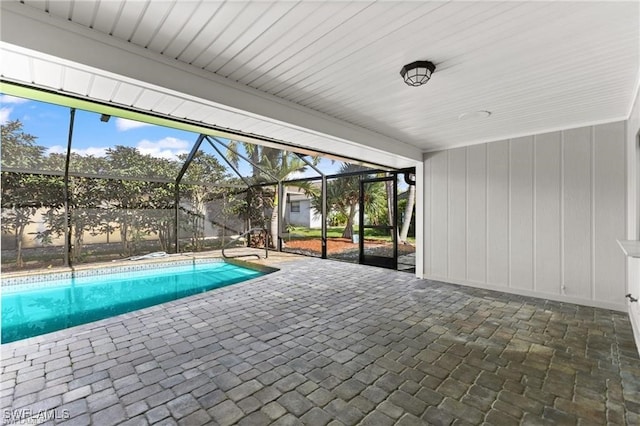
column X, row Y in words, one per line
column 342, row 218
column 333, row 167
column 252, row 217
column 260, row 167
column 118, row 219
column 406, row 225
column 302, row 231
column 34, row 135
column 118, row 147
column 208, row 188
column 262, row 212
column 33, row 226
column 224, row 213
column 208, row 217
column 235, row 167
column 377, row 231
column 135, row 189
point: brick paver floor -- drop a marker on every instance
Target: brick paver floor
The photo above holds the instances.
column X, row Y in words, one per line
column 323, row 342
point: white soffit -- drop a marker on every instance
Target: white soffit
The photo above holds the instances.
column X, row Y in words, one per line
column 536, row 66
column 196, row 103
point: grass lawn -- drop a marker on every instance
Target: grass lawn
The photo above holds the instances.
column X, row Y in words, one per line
column 298, row 232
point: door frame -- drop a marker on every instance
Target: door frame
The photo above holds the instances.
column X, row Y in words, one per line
column 380, row 261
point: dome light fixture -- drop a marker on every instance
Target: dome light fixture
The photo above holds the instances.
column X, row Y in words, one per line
column 417, row 73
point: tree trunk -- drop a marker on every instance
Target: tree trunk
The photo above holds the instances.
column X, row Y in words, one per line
column 348, row 229
column 78, row 240
column 389, row 188
column 19, row 235
column 408, row 213
column 124, row 236
column 164, row 235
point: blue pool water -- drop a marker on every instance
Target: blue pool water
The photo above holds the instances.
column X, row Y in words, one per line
column 64, row 303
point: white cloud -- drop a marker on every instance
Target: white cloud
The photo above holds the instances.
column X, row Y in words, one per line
column 168, row 147
column 96, row 151
column 8, row 99
column 122, row 124
column 56, row 149
column 4, row 115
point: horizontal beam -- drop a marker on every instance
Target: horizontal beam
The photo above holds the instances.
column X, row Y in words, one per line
column 60, row 173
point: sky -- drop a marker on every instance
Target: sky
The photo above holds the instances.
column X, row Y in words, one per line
column 50, row 124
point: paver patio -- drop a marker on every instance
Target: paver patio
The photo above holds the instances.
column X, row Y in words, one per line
column 323, row 342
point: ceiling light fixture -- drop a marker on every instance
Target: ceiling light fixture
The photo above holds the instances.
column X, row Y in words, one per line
column 417, row 73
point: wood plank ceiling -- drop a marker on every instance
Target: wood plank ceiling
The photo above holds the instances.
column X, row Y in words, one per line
column 536, row 66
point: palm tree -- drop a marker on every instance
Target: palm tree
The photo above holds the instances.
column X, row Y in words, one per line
column 343, row 196
column 408, row 213
column 269, row 164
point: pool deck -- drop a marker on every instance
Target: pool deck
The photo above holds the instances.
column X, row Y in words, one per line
column 324, row 342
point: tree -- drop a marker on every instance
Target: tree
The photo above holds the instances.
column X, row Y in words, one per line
column 19, row 149
column 86, row 207
column 24, row 193
column 343, row 196
column 408, row 213
column 129, row 199
column 269, row 164
column 201, row 177
column 160, row 201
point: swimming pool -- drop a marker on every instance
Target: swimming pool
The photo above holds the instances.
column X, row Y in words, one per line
column 41, row 307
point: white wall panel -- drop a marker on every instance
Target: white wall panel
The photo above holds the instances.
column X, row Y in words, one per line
column 633, row 210
column 541, row 215
column 477, row 213
column 427, row 202
column 498, row 213
column 457, row 234
column 440, row 214
column 609, row 210
column 547, row 213
column 521, row 213
column 577, row 175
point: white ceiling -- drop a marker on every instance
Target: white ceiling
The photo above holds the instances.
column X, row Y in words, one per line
column 536, row 66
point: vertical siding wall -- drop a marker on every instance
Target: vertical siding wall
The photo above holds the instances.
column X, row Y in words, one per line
column 536, row 215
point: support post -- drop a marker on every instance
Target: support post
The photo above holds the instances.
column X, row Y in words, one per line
column 176, row 205
column 67, row 196
column 324, row 216
column 281, row 207
column 395, row 219
column 360, row 223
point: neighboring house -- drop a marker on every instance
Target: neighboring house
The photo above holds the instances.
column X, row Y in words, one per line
column 299, row 211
